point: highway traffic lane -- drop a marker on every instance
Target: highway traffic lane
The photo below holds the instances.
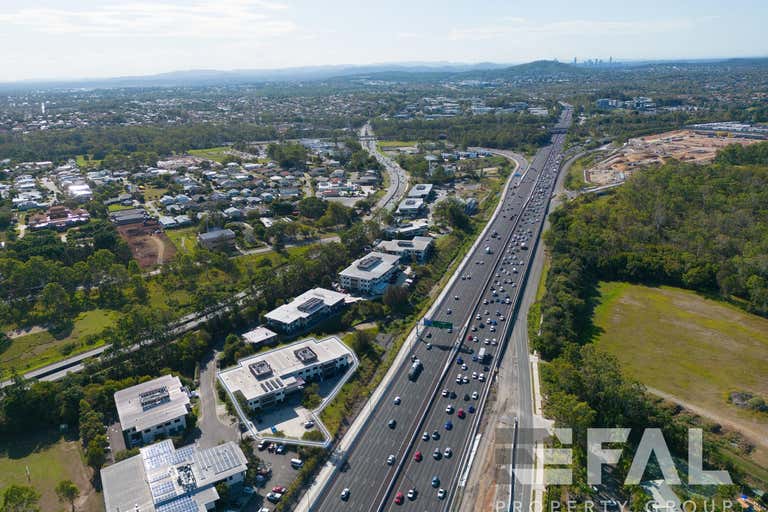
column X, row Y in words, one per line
column 417, row 476
column 461, row 288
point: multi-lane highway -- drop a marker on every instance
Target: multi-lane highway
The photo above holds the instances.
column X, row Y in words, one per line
column 480, row 305
column 398, row 179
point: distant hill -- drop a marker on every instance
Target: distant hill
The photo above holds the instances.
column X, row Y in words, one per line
column 401, row 72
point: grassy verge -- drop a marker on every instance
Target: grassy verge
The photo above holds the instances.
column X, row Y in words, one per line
column 39, row 349
column 574, row 180
column 49, row 459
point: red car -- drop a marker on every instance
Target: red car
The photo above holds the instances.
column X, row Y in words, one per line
column 460, row 413
column 399, row 498
column 279, row 489
column 417, row 457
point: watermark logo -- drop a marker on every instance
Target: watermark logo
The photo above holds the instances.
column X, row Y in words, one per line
column 517, row 450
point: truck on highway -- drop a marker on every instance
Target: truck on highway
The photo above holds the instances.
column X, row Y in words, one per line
column 415, row 370
column 482, row 355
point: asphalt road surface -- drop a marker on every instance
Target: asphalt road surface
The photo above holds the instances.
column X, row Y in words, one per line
column 372, row 482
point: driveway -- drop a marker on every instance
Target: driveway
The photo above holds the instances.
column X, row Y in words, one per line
column 214, row 423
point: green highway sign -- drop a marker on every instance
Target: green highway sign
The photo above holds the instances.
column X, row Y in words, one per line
column 439, row 325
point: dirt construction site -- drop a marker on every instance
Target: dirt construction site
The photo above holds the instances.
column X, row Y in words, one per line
column 149, row 245
column 683, row 145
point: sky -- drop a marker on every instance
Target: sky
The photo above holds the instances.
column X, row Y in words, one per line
column 68, row 39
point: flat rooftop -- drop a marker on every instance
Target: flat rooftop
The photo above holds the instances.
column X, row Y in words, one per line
column 165, row 479
column 151, row 403
column 305, row 305
column 259, row 335
column 419, row 243
column 421, row 190
column 262, row 373
column 371, row 266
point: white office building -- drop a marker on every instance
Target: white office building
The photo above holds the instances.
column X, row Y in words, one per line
column 407, row 250
column 305, row 310
column 164, row 479
column 152, row 409
column 267, row 378
column 371, row 274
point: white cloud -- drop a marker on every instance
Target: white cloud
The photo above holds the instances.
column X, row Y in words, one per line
column 519, row 27
column 251, row 19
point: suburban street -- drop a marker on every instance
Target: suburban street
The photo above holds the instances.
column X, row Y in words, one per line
column 373, row 483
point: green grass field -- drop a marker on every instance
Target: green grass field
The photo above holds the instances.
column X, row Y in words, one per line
column 574, row 180
column 388, row 145
column 38, row 349
column 153, row 194
column 695, row 349
column 216, row 154
column 50, row 459
column 118, row 207
column 185, row 239
column 83, row 163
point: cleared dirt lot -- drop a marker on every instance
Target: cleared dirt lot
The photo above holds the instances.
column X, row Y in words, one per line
column 149, row 245
column 682, row 145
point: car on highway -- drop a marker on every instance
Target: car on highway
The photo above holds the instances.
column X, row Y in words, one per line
column 459, row 360
column 445, row 393
column 412, row 494
column 345, row 494
column 475, row 395
column 397, row 400
column 460, row 413
column 435, row 435
column 417, row 456
column 481, row 377
column 390, row 460
column 279, row 489
column 448, row 425
column 274, row 497
column 441, row 494
column 448, row 452
column 425, row 436
column 435, row 481
column 392, row 423
column 399, row 498
column 449, row 409
column 437, row 454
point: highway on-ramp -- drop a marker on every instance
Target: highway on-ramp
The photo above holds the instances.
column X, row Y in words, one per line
column 373, row 483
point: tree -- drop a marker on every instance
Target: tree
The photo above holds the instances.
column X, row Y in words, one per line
column 95, row 455
column 396, row 299
column 312, row 207
column 67, row 492
column 451, row 212
column 55, row 302
column 20, row 498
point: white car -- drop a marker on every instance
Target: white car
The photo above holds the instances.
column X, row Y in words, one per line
column 449, row 410
column 345, row 494
column 397, row 400
column 475, row 395
column 481, row 377
column 474, row 375
column 445, row 392
column 390, row 460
